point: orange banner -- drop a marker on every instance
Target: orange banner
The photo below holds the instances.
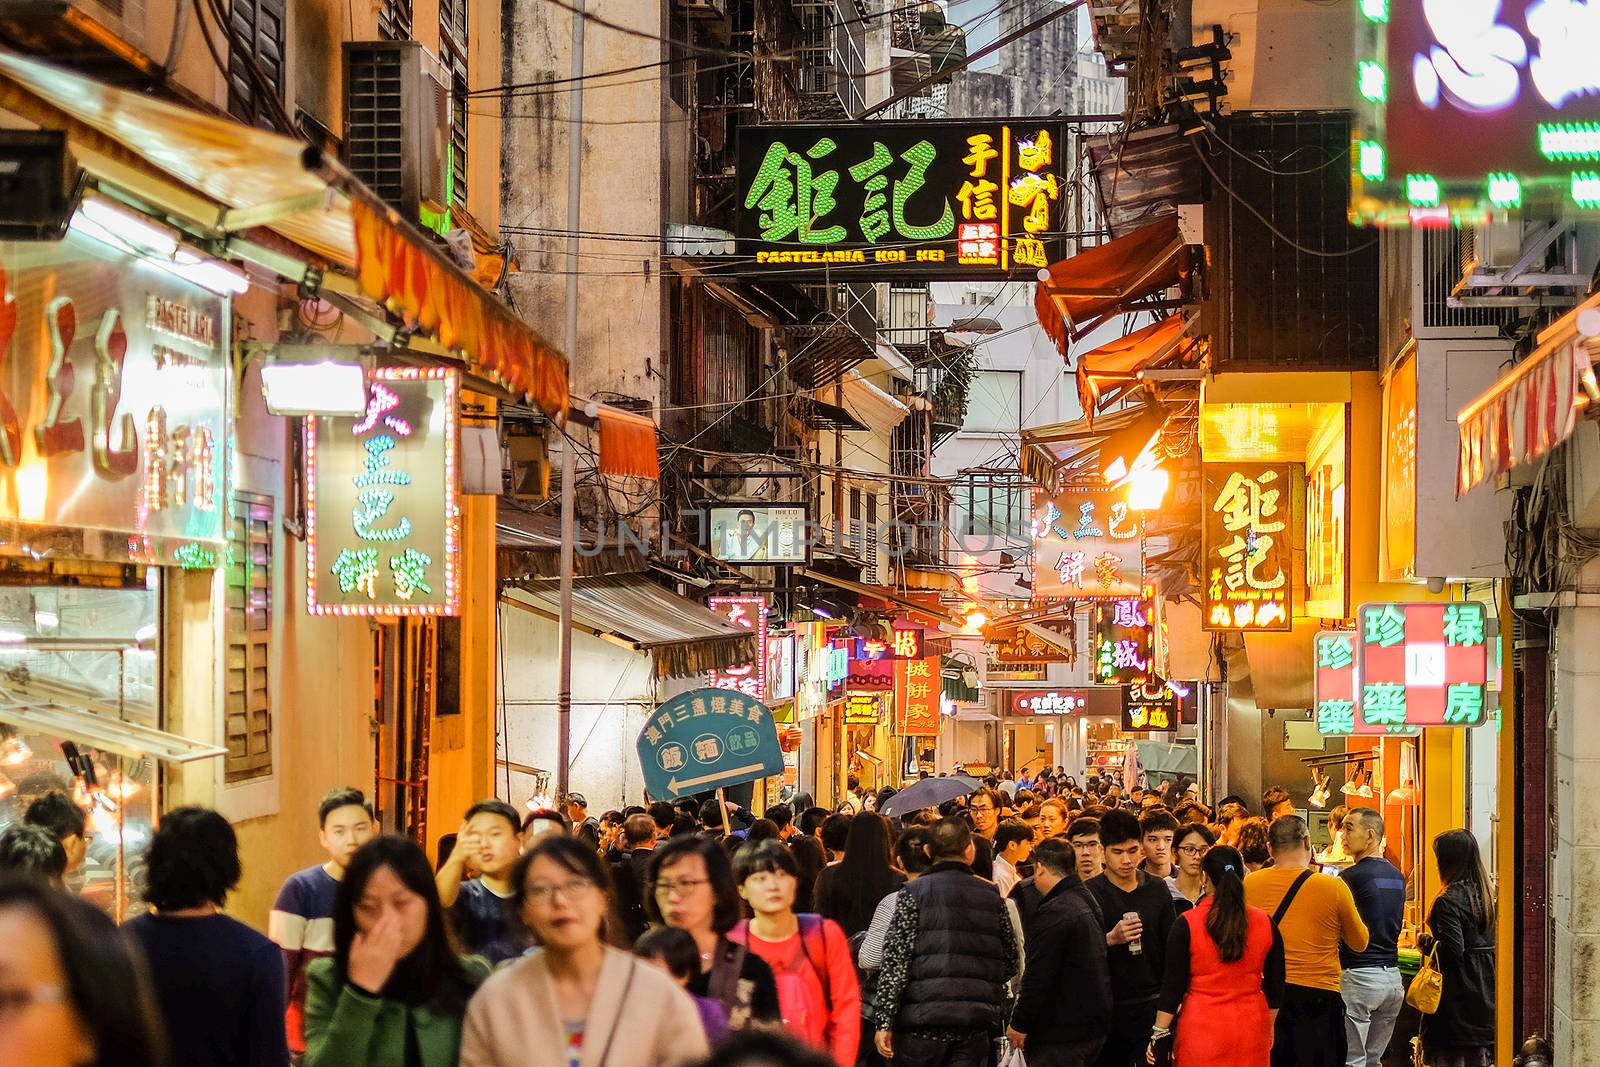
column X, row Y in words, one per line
column 916, row 697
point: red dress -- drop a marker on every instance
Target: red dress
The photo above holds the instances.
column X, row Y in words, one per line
column 1224, row 1020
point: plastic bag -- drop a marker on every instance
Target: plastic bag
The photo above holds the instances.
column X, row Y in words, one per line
column 1013, row 1058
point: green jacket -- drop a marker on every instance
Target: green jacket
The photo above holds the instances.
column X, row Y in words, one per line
column 346, row 1027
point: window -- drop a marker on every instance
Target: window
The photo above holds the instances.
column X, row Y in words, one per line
column 994, row 402
column 394, row 20
column 992, row 505
column 453, row 57
column 255, row 36
column 248, row 703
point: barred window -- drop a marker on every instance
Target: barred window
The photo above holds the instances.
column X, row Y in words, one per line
column 248, row 699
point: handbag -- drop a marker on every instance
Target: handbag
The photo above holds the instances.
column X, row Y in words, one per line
column 1428, row 986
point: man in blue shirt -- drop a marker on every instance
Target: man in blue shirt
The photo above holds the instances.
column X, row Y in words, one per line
column 1371, row 986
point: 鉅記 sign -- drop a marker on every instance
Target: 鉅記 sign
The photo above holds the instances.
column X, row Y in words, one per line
column 707, row 739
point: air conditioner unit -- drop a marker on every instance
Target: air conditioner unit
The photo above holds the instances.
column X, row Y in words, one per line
column 106, row 39
column 397, row 123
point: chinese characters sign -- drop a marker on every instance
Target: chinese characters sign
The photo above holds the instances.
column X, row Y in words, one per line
column 750, row 613
column 1054, row 702
column 1151, row 705
column 916, row 700
column 1124, row 642
column 383, row 503
column 1422, row 664
column 707, row 739
column 902, row 644
column 1465, row 108
column 863, row 709
column 1086, row 546
column 1249, row 522
column 114, row 389
column 933, row 199
column 1338, row 690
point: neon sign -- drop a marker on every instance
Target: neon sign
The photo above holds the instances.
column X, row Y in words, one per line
column 1054, row 702
column 383, row 508
column 916, row 701
column 1149, row 705
column 1338, row 688
column 750, row 613
column 902, row 644
column 1124, row 642
column 1087, row 545
column 863, row 709
column 1248, row 526
column 1422, row 664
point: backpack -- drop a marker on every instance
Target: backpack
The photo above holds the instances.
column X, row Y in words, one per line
column 796, row 1000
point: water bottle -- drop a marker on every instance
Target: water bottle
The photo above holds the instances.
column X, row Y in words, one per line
column 1135, row 945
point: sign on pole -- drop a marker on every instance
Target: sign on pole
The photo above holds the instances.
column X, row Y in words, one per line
column 1423, row 664
column 707, row 739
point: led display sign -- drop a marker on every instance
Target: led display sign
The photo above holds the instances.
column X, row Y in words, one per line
column 916, row 697
column 958, row 199
column 1468, row 108
column 383, row 506
column 1053, row 702
column 749, row 613
column 1150, row 706
column 1087, row 545
column 1423, row 664
column 863, row 709
column 1124, row 642
column 903, row 643
column 1248, row 524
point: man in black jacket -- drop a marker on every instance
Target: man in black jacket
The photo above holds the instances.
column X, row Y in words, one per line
column 1065, row 1007
column 629, row 872
column 1137, row 915
column 951, row 949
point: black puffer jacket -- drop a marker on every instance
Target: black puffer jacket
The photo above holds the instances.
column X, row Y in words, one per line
column 958, row 974
column 1466, row 961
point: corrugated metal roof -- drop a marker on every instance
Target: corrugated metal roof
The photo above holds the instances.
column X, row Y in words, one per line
column 1143, row 176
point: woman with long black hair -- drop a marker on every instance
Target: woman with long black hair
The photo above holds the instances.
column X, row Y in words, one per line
column 1225, row 970
column 394, row 992
column 1461, row 1032
column 849, row 891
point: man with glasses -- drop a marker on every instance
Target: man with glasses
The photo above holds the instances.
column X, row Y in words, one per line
column 1084, row 836
column 985, row 808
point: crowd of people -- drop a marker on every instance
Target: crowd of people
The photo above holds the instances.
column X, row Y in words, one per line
column 1078, row 925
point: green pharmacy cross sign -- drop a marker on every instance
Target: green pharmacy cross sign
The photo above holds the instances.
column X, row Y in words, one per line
column 969, row 200
column 1422, row 665
column 707, row 739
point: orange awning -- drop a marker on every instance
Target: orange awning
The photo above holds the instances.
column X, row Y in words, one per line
column 628, row 444
column 1098, row 281
column 1114, row 367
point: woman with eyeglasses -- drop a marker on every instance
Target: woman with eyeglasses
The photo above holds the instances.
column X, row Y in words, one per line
column 73, row 990
column 577, row 1001
column 1189, row 848
column 394, row 992
column 691, row 887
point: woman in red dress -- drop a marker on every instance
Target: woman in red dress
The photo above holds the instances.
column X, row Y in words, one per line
column 1224, row 976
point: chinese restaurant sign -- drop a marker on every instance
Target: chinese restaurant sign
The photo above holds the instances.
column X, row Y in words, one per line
column 1422, row 664
column 1124, row 642
column 874, row 675
column 916, row 699
column 114, row 389
column 1151, row 705
column 863, row 709
column 1468, row 108
column 1337, row 689
column 707, row 739
column 1053, row 702
column 957, row 199
column 1022, row 645
column 1248, row 525
column 1086, row 546
column 903, row 644
column 750, row 613
column 383, row 504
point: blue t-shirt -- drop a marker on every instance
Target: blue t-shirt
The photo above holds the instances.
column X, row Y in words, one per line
column 1380, row 892
column 481, row 922
column 302, row 924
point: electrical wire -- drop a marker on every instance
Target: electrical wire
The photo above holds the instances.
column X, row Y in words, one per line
column 1266, row 222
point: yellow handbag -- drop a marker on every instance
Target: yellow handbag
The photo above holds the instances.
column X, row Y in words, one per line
column 1428, row 985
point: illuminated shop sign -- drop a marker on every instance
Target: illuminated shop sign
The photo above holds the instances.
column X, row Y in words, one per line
column 1023, row 646
column 781, row 666
column 1150, row 706
column 383, row 505
column 749, row 613
column 863, row 709
column 1422, row 664
column 1468, row 108
column 1053, row 702
column 902, row 644
column 957, row 199
column 874, row 674
column 1338, row 689
column 916, row 697
column 1249, row 523
column 114, row 391
column 1124, row 642
column 1086, row 546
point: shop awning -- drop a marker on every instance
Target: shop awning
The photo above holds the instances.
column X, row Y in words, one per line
column 1075, row 294
column 821, row 415
column 874, row 408
column 231, row 179
column 1061, row 451
column 37, row 703
column 1113, row 370
column 1532, row 409
column 819, row 354
column 684, row 637
column 528, row 546
column 628, row 443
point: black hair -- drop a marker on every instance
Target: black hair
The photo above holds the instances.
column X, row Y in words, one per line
column 1055, row 855
column 835, row 832
column 57, row 812
column 1118, row 826
column 429, row 974
column 684, row 826
column 634, row 809
column 663, row 813
column 710, row 815
column 1270, row 799
column 1287, row 831
column 761, row 857
column 1456, row 852
column 106, row 982
column 852, row 782
column 728, row 909
column 811, row 818
column 1157, row 819
column 866, row 874
column 761, row 1048
column 1233, row 798
column 576, row 856
column 1191, row 829
column 495, row 806
column 761, row 830
column 612, row 817
column 1254, row 842
column 780, row 814
column 1084, row 825
column 672, row 946
column 1229, row 921
column 1011, row 832
column 543, row 815
column 343, row 797
column 911, row 850
column 746, row 511
column 192, row 860
column 808, row 854
column 32, row 850
column 949, row 839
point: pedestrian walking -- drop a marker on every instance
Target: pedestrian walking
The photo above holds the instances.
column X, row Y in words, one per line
column 219, row 984
column 490, row 840
column 849, row 891
column 950, row 951
column 691, row 887
column 630, row 870
column 583, row 824
column 1275, row 803
column 1254, row 844
column 1224, row 969
column 1136, row 916
column 393, row 991
column 1157, row 829
column 674, row 951
column 301, row 920
column 1013, row 844
column 984, row 807
column 577, row 1001
column 32, row 851
column 1314, row 913
column 1461, row 1032
column 1053, row 816
column 1064, row 1007
column 1190, row 845
column 1084, row 836
column 1371, row 986
column 73, row 989
column 809, row 955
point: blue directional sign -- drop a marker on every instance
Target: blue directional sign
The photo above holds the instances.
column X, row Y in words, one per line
column 707, row 739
